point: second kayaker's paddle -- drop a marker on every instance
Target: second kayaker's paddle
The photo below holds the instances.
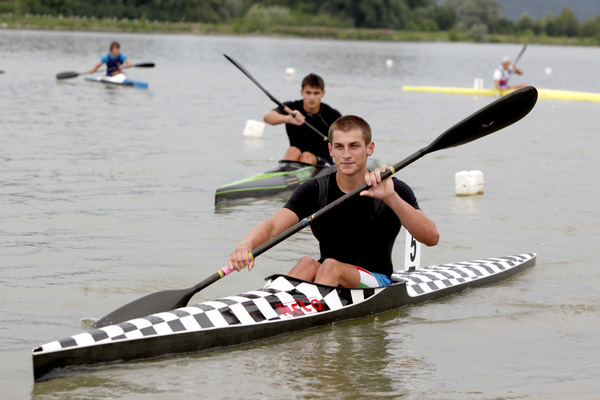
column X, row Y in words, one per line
column 520, row 54
column 514, row 64
column 280, row 104
column 71, row 74
column 498, row 115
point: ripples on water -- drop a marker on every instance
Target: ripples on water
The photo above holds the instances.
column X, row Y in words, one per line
column 108, row 194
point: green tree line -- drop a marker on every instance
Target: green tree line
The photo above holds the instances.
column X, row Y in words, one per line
column 477, row 18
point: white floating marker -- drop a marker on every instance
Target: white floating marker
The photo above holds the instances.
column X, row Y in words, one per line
column 290, row 71
column 469, row 183
column 478, row 84
column 548, row 71
column 389, row 63
column 254, row 128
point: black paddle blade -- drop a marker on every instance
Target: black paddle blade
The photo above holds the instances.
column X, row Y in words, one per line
column 67, row 75
column 150, row 304
column 144, row 65
column 158, row 302
column 495, row 116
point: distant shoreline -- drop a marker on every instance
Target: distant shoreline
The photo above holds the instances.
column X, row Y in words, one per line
column 75, row 23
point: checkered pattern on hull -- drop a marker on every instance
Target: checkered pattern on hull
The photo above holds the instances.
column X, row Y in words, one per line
column 281, row 298
column 438, row 277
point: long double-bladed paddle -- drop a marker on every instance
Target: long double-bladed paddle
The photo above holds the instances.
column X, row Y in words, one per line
column 280, row 104
column 71, row 74
column 498, row 115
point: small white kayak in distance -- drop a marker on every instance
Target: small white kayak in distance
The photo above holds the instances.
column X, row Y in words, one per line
column 119, row 79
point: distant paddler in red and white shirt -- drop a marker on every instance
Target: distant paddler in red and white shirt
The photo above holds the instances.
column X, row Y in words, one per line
column 503, row 72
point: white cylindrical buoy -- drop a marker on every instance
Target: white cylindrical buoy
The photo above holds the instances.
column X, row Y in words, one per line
column 290, row 71
column 478, row 84
column 548, row 71
column 389, row 63
column 469, row 183
column 254, row 128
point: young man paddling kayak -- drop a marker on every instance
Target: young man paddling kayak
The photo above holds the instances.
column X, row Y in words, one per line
column 355, row 238
column 305, row 144
column 503, row 72
column 114, row 61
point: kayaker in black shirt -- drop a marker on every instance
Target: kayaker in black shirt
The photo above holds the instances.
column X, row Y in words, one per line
column 355, row 238
column 305, row 144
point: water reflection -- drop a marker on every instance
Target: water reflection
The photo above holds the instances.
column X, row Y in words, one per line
column 467, row 205
column 240, row 205
column 88, row 383
column 347, row 360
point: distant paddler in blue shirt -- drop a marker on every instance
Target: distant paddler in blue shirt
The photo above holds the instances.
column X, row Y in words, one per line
column 115, row 61
column 503, row 72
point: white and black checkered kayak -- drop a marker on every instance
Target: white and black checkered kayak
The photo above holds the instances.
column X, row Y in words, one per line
column 282, row 306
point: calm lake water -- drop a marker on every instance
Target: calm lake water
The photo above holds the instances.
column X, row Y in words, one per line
column 107, row 194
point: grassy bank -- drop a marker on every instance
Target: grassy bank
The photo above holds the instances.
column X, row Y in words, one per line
column 76, row 23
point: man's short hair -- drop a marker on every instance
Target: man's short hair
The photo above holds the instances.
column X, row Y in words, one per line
column 313, row 80
column 113, row 44
column 347, row 123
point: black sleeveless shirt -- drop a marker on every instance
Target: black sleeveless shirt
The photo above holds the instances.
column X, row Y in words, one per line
column 304, row 137
column 361, row 232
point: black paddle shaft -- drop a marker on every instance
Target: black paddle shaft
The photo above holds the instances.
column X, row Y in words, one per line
column 498, row 115
column 269, row 95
